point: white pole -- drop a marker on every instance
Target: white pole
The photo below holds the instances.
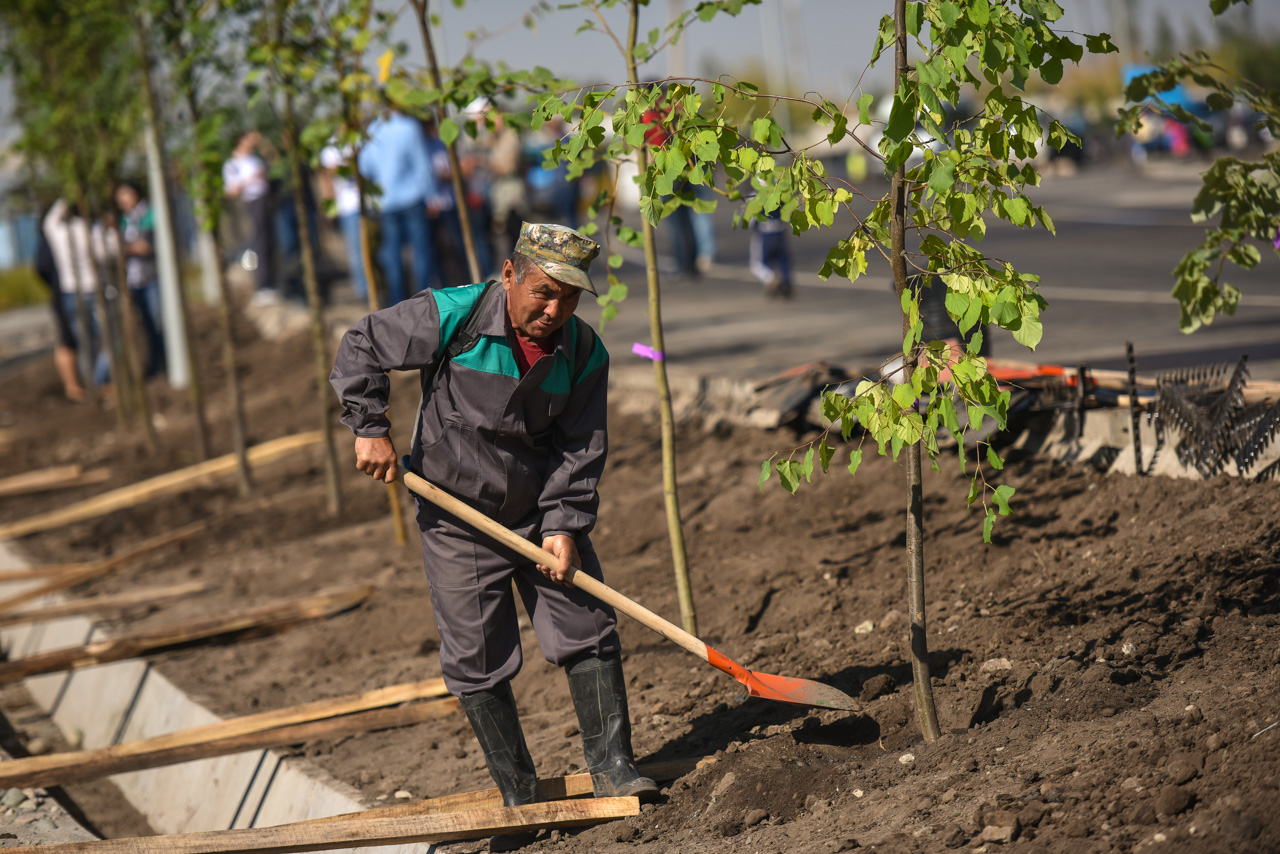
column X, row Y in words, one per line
column 175, row 340
column 209, row 262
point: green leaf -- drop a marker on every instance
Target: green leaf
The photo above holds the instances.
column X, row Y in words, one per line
column 980, row 12
column 1017, row 209
column 825, row 453
column 855, row 460
column 808, row 464
column 902, row 117
column 650, row 211
column 864, row 108
column 766, row 469
column 760, row 130
column 904, row 396
column 913, row 18
column 943, row 177
column 1002, row 495
column 988, row 524
column 1029, row 332
column 1101, row 43
column 448, row 131
column 997, row 462
column 789, row 475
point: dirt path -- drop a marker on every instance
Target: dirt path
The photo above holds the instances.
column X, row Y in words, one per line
column 1100, row 669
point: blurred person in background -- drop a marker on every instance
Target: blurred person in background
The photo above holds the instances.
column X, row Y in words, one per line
column 769, row 256
column 344, row 192
column 508, row 196
column 396, row 161
column 442, row 213
column 137, row 232
column 64, row 348
column 244, row 178
column 71, row 245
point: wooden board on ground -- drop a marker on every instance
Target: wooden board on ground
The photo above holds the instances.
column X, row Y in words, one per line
column 254, row 622
column 549, row 789
column 102, row 567
column 165, row 484
column 56, row 477
column 174, row 749
column 48, row 570
column 100, row 604
column 363, row 832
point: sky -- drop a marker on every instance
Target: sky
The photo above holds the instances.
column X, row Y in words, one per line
column 823, row 45
column 830, row 40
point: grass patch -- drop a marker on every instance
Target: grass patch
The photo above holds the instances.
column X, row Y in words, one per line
column 21, row 286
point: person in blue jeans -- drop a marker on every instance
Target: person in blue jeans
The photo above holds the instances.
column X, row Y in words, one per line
column 397, row 164
column 137, row 231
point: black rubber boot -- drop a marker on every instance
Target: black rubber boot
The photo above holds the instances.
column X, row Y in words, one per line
column 600, row 699
column 496, row 722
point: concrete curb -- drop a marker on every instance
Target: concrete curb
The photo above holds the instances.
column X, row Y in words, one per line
column 126, row 700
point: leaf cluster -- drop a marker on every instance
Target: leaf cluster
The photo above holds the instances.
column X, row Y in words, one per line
column 1243, row 196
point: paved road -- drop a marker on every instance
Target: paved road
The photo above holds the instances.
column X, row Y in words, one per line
column 1106, row 275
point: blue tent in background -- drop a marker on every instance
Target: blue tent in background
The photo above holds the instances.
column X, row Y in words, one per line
column 1176, row 96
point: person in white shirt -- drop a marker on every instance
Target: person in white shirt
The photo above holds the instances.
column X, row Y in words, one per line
column 345, row 193
column 74, row 250
column 244, row 177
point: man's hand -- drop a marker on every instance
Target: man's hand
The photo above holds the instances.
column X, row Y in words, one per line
column 563, row 547
column 376, row 457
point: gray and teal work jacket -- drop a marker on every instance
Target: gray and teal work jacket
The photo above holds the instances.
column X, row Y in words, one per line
column 527, row 451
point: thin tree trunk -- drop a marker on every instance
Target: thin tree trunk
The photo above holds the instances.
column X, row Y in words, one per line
column 226, row 323
column 926, row 712
column 153, row 118
column 394, row 504
column 105, row 330
column 129, row 332
column 371, row 284
column 459, row 192
column 670, row 490
column 332, row 482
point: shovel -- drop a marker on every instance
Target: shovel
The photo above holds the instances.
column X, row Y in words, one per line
column 784, row 689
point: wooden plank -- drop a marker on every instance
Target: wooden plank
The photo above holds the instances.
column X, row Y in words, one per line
column 55, row 477
column 362, row 832
column 174, row 749
column 255, row 622
column 104, row 566
column 48, row 570
column 232, row 728
column 165, row 484
column 549, row 789
column 98, row 604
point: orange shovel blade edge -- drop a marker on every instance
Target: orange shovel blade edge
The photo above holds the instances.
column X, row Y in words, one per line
column 784, row 689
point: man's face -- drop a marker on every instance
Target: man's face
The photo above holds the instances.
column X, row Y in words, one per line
column 126, row 198
column 539, row 305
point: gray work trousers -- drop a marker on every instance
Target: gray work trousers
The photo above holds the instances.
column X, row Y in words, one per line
column 470, row 578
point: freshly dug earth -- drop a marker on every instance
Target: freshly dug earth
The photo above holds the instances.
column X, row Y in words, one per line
column 1100, row 669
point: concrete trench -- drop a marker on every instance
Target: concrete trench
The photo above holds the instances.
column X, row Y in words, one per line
column 127, row 700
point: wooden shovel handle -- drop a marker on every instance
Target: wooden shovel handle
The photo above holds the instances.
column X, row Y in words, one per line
column 578, row 579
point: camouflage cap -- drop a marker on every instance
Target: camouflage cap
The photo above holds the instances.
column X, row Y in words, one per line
column 562, row 253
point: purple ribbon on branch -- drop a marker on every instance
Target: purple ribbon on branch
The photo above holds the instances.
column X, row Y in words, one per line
column 646, row 352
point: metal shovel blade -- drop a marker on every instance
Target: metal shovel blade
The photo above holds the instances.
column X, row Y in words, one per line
column 784, row 689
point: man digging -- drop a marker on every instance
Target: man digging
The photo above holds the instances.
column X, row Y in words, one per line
column 513, row 423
